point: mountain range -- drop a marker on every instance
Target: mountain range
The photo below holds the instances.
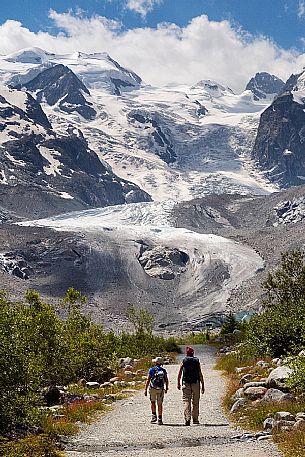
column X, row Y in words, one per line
column 160, row 194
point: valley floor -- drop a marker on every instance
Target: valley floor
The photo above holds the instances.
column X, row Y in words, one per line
column 127, row 431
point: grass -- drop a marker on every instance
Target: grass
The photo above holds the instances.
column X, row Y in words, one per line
column 292, row 443
column 31, row 446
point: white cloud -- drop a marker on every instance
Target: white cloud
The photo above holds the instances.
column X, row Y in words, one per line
column 301, row 9
column 203, row 49
column 142, row 7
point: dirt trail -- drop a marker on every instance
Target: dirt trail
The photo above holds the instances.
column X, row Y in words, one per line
column 126, row 431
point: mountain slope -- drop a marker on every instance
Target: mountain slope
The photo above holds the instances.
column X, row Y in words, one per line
column 279, row 146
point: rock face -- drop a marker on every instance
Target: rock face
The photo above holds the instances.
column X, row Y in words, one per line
column 163, row 263
column 263, row 84
column 157, row 134
column 279, row 145
column 59, row 85
column 62, row 170
column 291, row 211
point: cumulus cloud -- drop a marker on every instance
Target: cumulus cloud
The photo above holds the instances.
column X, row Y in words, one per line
column 301, row 9
column 203, row 49
column 142, row 7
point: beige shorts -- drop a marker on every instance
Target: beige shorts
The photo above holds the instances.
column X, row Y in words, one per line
column 156, row 395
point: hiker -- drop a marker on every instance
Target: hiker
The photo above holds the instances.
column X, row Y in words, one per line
column 157, row 381
column 192, row 377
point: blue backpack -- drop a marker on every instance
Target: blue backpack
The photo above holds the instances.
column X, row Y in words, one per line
column 157, row 380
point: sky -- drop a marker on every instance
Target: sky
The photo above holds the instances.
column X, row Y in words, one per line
column 179, row 41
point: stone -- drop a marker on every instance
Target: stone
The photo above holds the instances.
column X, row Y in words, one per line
column 300, row 415
column 81, row 382
column 238, row 394
column 238, row 405
column 129, row 374
column 284, row 416
column 268, row 423
column 128, row 391
column 51, row 395
column 246, row 378
column 276, row 395
column 299, row 424
column 92, row 385
column 254, row 384
column 283, row 426
column 128, row 368
column 106, row 384
column 255, row 393
column 278, row 376
column 262, row 364
column 241, row 369
column 113, row 380
column 126, row 361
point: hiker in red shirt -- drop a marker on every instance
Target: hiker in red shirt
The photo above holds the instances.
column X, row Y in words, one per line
column 192, row 377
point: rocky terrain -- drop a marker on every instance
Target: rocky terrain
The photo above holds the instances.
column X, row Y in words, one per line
column 168, row 198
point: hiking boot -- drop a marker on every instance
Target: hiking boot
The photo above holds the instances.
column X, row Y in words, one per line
column 160, row 421
column 196, row 421
column 188, row 422
column 153, row 419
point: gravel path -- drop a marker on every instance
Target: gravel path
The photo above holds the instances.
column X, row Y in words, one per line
column 126, row 431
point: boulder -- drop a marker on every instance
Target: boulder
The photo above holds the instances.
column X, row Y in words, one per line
column 268, row 423
column 255, row 393
column 238, row 405
column 128, row 368
column 262, row 364
column 112, row 380
column 92, row 385
column 255, row 384
column 284, row 416
column 51, row 395
column 81, row 382
column 126, row 361
column 238, row 394
column 299, row 425
column 300, row 415
column 246, row 378
column 283, row 426
column 276, row 395
column 278, row 376
column 129, row 374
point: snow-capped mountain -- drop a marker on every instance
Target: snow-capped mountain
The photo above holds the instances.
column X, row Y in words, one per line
column 265, row 86
column 60, row 172
column 79, row 131
column 279, row 145
column 176, row 142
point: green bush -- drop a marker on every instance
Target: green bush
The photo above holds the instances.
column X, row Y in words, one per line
column 280, row 328
column 296, row 380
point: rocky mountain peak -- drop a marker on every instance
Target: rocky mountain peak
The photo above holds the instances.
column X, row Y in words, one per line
column 59, row 84
column 264, row 84
column 212, row 87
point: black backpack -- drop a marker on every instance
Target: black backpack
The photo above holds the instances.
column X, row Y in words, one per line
column 191, row 368
column 158, row 378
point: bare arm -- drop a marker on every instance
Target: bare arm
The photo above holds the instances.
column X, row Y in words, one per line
column 146, row 385
column 166, row 383
column 201, row 379
column 179, row 376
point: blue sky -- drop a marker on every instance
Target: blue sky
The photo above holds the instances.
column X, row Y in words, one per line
column 281, row 20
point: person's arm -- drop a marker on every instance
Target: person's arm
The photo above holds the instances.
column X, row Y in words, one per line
column 179, row 376
column 201, row 379
column 166, row 382
column 147, row 384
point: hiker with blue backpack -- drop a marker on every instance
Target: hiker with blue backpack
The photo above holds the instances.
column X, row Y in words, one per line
column 157, row 383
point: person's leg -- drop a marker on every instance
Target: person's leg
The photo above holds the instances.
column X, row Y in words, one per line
column 153, row 399
column 187, row 397
column 160, row 398
column 195, row 401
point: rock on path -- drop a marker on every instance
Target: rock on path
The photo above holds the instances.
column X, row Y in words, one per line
column 126, row 431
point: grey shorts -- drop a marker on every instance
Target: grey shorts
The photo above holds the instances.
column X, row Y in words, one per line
column 156, row 395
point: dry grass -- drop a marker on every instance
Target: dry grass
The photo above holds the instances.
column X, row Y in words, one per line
column 31, row 446
column 292, row 443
